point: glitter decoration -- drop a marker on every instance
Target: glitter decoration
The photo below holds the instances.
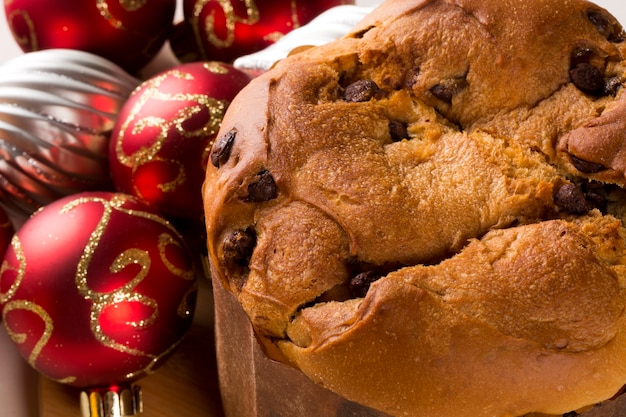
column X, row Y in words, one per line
column 91, row 289
column 160, row 144
column 223, row 30
column 129, row 32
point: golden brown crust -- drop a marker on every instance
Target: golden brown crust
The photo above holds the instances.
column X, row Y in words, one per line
column 449, row 151
column 542, row 331
column 602, row 141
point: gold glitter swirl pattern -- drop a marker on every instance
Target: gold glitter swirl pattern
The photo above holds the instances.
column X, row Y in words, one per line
column 66, row 380
column 128, row 5
column 164, row 241
column 20, row 338
column 145, row 154
column 215, row 67
column 20, row 270
column 215, row 108
column 29, row 42
column 126, row 258
column 132, row 5
column 149, row 216
column 172, row 185
column 103, row 8
column 294, row 14
column 102, row 300
column 123, row 294
column 252, row 17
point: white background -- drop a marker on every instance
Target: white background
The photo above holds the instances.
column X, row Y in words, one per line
column 18, row 391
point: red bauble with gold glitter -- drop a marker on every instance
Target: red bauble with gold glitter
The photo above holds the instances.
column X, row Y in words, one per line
column 127, row 32
column 164, row 132
column 224, row 30
column 97, row 289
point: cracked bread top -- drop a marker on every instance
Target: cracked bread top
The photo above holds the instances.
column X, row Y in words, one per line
column 426, row 215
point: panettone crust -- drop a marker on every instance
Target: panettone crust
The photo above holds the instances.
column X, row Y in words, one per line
column 426, row 216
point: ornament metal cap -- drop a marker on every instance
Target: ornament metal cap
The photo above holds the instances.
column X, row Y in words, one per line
column 112, row 402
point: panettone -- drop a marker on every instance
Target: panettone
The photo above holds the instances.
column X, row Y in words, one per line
column 426, row 215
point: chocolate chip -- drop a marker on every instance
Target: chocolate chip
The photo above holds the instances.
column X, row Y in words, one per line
column 447, row 89
column 596, row 194
column 582, row 54
column 360, row 284
column 571, row 198
column 222, row 148
column 587, row 78
column 263, row 188
column 397, row 130
column 361, row 91
column 586, row 166
column 612, row 86
column 596, row 199
column 238, row 247
column 607, row 25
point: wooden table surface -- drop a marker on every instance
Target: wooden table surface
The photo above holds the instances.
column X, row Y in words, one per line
column 184, row 386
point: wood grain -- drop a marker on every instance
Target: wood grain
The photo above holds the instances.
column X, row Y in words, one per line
column 184, row 386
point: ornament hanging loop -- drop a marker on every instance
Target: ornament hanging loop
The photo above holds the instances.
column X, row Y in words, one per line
column 116, row 401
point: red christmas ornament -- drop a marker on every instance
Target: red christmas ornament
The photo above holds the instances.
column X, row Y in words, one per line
column 128, row 32
column 165, row 130
column 224, row 30
column 96, row 290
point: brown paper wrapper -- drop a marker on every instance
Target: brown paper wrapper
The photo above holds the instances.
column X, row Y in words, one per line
column 253, row 385
column 612, row 408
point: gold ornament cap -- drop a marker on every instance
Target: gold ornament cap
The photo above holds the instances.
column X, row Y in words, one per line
column 117, row 401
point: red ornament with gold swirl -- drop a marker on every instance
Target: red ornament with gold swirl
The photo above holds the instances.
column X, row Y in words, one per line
column 127, row 32
column 96, row 290
column 164, row 132
column 224, row 30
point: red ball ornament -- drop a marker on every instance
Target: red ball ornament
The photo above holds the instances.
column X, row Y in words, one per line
column 128, row 32
column 97, row 289
column 165, row 130
column 224, row 30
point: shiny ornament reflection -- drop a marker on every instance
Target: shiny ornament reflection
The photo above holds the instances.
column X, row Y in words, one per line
column 129, row 33
column 97, row 289
column 160, row 144
column 57, row 110
column 224, row 30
